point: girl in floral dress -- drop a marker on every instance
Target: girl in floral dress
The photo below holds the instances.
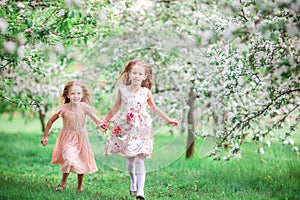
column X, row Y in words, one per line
column 131, row 134
column 72, row 150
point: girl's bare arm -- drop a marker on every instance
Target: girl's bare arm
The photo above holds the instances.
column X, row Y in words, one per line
column 50, row 122
column 115, row 108
column 105, row 123
column 159, row 112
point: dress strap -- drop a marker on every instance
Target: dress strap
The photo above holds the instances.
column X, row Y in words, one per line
column 123, row 90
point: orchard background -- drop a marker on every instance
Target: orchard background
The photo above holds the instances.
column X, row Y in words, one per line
column 228, row 70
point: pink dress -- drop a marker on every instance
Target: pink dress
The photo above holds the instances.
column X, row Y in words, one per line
column 72, row 150
column 131, row 133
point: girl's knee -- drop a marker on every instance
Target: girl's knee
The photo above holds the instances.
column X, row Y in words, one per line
column 139, row 159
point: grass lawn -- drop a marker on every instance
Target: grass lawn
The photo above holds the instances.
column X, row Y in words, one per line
column 25, row 172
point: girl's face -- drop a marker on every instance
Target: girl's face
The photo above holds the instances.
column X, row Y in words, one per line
column 75, row 94
column 137, row 75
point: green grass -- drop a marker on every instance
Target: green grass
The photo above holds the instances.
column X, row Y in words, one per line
column 25, row 172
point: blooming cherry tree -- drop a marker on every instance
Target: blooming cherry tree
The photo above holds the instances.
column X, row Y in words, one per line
column 228, row 69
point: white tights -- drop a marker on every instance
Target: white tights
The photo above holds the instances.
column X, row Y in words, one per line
column 137, row 172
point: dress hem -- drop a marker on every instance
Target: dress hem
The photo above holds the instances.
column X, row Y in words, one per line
column 86, row 172
column 145, row 155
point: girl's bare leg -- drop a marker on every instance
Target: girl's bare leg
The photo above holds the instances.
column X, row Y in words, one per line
column 64, row 179
column 63, row 182
column 80, row 181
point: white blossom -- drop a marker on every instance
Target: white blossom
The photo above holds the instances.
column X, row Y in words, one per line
column 261, row 150
column 68, row 2
column 268, row 143
column 10, row 47
column 229, row 31
column 20, row 5
column 292, row 30
column 33, row 3
column 61, row 13
column 3, row 26
column 168, row 23
column 21, row 39
column 291, row 141
column 59, row 48
column 295, row 148
column 205, row 134
column 205, row 37
column 283, row 2
column 239, row 154
column 3, row 2
column 21, row 52
column 77, row 2
column 242, row 48
column 286, row 142
column 102, row 15
column 87, row 10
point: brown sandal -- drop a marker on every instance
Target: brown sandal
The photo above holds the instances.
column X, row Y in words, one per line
column 60, row 188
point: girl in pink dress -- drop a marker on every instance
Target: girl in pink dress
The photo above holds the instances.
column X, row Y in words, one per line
column 131, row 134
column 72, row 150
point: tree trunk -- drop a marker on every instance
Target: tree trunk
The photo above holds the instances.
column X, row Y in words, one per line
column 42, row 119
column 191, row 124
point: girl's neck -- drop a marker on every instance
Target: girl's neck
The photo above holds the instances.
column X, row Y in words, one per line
column 75, row 105
column 134, row 88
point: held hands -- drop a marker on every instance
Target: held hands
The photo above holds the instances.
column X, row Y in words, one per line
column 44, row 141
column 104, row 125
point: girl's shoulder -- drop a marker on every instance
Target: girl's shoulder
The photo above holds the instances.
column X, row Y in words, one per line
column 86, row 107
column 63, row 106
column 61, row 109
column 123, row 89
column 146, row 89
column 84, row 104
column 147, row 92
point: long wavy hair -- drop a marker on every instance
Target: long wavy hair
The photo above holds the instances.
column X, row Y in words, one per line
column 86, row 94
column 124, row 76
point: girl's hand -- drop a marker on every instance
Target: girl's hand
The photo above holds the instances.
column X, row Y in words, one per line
column 104, row 125
column 102, row 128
column 44, row 141
column 173, row 122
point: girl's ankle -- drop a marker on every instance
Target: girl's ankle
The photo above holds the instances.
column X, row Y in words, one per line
column 62, row 184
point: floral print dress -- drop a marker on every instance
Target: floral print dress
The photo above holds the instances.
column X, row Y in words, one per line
column 131, row 133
